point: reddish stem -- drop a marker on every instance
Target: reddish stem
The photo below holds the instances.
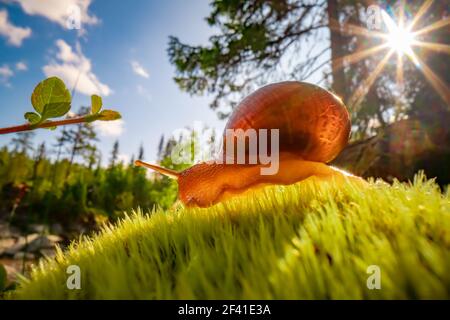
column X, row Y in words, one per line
column 48, row 124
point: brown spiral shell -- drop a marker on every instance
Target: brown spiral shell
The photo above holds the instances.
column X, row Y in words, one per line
column 313, row 123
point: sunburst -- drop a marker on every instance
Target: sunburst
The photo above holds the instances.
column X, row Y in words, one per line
column 401, row 39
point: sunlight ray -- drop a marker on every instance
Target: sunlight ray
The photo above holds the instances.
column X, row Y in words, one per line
column 400, row 81
column 359, row 55
column 352, row 29
column 436, row 25
column 438, row 47
column 357, row 97
column 436, row 82
column 401, row 15
column 389, row 21
column 412, row 56
column 425, row 6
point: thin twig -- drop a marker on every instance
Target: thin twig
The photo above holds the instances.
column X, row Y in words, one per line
column 47, row 124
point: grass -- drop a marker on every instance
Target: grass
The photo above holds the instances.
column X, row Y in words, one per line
column 310, row 240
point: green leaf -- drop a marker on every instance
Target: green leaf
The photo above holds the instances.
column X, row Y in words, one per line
column 32, row 117
column 51, row 97
column 55, row 110
column 3, row 277
column 96, row 103
column 109, row 115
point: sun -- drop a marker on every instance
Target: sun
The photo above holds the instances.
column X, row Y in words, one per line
column 399, row 38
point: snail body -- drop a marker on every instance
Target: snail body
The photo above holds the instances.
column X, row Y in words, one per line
column 313, row 126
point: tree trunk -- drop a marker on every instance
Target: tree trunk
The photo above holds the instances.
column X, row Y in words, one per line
column 74, row 150
column 337, row 42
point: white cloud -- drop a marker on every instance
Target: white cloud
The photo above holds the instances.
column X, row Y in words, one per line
column 110, row 128
column 21, row 66
column 5, row 71
column 65, row 52
column 59, row 11
column 14, row 35
column 144, row 93
column 5, row 74
column 75, row 70
column 139, row 69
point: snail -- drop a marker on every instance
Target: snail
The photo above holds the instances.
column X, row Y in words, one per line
column 313, row 126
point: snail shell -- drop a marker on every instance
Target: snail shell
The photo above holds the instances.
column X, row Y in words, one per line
column 313, row 123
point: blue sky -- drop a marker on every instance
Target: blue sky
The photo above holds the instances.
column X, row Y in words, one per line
column 121, row 52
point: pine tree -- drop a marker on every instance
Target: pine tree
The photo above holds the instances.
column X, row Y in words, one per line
column 161, row 148
column 114, row 154
column 22, row 142
column 81, row 137
column 141, row 152
column 60, row 142
column 91, row 156
column 38, row 159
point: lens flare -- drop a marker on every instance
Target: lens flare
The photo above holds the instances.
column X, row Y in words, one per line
column 399, row 38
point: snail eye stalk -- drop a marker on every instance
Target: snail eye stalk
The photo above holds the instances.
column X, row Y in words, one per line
column 167, row 172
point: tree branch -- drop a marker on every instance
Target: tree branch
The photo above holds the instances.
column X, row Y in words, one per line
column 48, row 124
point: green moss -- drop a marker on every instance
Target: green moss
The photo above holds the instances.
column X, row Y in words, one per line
column 306, row 241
